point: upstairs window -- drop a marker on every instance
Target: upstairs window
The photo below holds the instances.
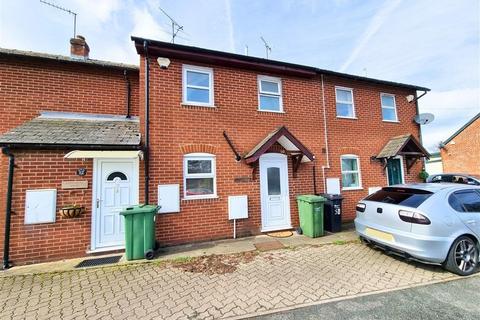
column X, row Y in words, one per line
column 198, row 86
column 389, row 109
column 350, row 167
column 270, row 94
column 344, row 101
column 199, row 176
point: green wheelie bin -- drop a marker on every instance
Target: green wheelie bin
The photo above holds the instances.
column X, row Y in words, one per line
column 310, row 210
column 140, row 231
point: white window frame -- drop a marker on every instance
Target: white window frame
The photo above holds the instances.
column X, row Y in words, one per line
column 278, row 94
column 345, row 102
column 204, row 70
column 186, row 175
column 358, row 171
column 388, row 107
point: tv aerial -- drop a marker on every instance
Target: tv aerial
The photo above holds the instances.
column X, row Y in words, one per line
column 74, row 14
column 267, row 47
column 176, row 27
column 424, row 118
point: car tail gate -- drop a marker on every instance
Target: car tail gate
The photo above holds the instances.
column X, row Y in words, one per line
column 390, row 207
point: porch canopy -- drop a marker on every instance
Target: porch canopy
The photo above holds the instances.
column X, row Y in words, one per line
column 406, row 146
column 62, row 130
column 294, row 148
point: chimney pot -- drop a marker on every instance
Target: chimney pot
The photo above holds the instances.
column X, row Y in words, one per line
column 79, row 48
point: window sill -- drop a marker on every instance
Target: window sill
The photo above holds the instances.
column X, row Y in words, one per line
column 200, row 198
column 348, row 118
column 270, row 111
column 352, row 189
column 199, row 105
column 391, row 121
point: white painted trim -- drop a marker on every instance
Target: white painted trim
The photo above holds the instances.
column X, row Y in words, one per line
column 359, row 171
column 345, row 102
column 96, row 178
column 278, row 94
column 388, row 107
column 211, row 95
column 186, row 175
column 401, row 169
column 268, row 157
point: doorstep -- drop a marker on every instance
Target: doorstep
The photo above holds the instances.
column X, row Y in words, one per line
column 227, row 246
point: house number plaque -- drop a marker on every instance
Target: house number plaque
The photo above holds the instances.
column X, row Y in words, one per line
column 80, row 184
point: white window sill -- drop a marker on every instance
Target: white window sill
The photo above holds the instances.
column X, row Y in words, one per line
column 353, row 188
column 391, row 121
column 350, row 118
column 270, row 111
column 191, row 104
column 200, row 198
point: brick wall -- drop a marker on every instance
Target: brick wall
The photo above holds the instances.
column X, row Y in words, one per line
column 28, row 86
column 461, row 154
column 173, row 126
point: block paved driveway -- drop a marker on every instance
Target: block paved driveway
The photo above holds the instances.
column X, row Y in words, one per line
column 272, row 280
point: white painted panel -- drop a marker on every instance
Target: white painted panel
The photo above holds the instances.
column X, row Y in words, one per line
column 169, row 198
column 237, row 207
column 124, row 196
column 109, row 198
column 40, row 206
column 333, row 185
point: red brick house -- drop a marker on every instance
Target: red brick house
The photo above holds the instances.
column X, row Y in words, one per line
column 460, row 151
column 200, row 132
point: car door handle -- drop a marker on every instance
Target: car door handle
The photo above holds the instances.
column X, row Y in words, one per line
column 471, row 222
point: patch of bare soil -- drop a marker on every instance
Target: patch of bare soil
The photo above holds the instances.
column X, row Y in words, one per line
column 216, row 264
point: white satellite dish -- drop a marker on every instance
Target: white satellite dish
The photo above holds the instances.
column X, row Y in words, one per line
column 424, row 118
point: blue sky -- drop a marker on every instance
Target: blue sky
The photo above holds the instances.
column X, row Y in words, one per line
column 430, row 43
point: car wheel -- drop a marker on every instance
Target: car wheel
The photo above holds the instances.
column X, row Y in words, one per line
column 463, row 257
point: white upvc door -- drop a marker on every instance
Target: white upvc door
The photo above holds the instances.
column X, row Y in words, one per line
column 274, row 194
column 115, row 188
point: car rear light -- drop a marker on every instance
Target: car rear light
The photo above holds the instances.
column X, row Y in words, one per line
column 361, row 207
column 413, row 217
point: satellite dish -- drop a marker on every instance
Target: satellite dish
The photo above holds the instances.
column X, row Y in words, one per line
column 424, row 118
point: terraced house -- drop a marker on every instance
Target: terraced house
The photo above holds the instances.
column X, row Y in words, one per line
column 208, row 135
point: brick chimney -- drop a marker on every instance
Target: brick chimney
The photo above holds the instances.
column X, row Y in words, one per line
column 79, row 48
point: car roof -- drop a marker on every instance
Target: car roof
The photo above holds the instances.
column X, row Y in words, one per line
column 435, row 187
column 455, row 174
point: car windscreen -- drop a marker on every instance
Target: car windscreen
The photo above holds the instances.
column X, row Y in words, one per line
column 402, row 196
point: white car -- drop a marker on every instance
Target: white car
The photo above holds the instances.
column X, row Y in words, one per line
column 429, row 222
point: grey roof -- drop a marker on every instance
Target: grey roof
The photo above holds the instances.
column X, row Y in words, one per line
column 50, row 130
column 94, row 62
column 466, row 125
column 397, row 145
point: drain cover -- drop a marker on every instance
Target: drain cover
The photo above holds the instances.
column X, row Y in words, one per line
column 98, row 262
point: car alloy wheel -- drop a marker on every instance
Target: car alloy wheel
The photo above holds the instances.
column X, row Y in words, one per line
column 466, row 255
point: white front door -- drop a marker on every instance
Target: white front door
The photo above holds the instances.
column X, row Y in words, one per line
column 116, row 188
column 275, row 199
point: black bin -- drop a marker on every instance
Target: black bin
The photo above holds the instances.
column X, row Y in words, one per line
column 332, row 214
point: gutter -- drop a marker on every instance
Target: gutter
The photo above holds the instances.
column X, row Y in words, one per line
column 44, row 146
column 147, row 118
column 8, row 208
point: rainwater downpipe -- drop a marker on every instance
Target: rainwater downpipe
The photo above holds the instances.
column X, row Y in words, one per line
column 8, row 208
column 326, row 137
column 147, row 119
column 128, row 87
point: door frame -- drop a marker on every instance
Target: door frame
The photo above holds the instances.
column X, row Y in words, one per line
column 96, row 179
column 401, row 170
column 284, row 159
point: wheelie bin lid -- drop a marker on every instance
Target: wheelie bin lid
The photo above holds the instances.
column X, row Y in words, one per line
column 330, row 196
column 310, row 198
column 140, row 208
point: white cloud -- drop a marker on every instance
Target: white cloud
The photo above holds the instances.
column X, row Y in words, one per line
column 452, row 109
column 97, row 10
column 228, row 16
column 144, row 25
column 375, row 24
